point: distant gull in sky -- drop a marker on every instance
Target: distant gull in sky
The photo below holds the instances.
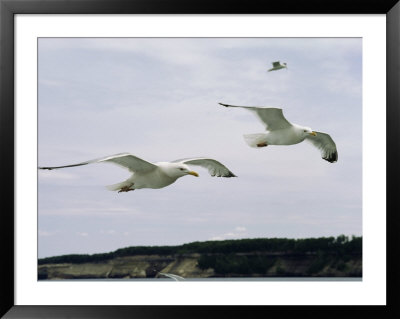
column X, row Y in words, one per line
column 277, row 66
column 280, row 131
column 155, row 175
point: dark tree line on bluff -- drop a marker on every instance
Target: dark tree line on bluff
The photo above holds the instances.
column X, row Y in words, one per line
column 221, row 254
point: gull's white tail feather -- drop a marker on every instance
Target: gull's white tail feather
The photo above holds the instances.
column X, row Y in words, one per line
column 118, row 186
column 254, row 139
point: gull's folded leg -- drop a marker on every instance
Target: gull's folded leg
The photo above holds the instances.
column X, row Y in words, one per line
column 126, row 188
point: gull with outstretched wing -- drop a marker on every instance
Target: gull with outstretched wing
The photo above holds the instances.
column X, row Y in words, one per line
column 277, row 66
column 154, row 175
column 279, row 131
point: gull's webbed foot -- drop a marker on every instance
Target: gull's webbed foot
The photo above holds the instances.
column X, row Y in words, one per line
column 126, row 189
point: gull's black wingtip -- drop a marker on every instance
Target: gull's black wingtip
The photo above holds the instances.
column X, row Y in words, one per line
column 332, row 158
column 231, row 174
column 226, row 105
column 228, row 175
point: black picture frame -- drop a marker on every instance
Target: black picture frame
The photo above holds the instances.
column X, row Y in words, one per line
column 8, row 10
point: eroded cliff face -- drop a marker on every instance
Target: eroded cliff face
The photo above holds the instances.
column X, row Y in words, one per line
column 149, row 266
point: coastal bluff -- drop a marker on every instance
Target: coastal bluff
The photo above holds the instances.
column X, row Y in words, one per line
column 261, row 257
column 149, row 266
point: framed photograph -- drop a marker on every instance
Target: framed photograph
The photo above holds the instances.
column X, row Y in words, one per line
column 174, row 93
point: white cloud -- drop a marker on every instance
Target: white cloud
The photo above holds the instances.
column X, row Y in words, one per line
column 239, row 232
column 45, row 233
column 56, row 174
column 85, row 208
column 82, row 234
column 108, row 232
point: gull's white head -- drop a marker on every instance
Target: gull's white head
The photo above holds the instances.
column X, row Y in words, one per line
column 177, row 170
column 308, row 131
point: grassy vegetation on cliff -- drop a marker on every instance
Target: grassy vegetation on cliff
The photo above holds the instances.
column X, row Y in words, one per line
column 342, row 246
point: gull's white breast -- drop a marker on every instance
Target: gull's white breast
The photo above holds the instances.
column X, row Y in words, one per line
column 154, row 179
column 288, row 136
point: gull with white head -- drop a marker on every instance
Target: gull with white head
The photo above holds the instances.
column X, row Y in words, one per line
column 277, row 66
column 279, row 131
column 155, row 175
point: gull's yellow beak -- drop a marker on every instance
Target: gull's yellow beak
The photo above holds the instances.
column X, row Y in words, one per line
column 193, row 173
column 313, row 133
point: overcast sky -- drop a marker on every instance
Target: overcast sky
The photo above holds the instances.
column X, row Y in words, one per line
column 157, row 98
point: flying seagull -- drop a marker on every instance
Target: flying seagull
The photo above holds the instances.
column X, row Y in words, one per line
column 155, row 175
column 277, row 66
column 279, row 131
column 172, row 276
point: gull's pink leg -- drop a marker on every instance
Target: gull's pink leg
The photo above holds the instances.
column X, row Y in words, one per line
column 126, row 189
column 262, row 144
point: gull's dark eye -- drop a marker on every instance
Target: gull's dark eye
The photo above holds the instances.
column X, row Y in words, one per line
column 182, row 169
column 305, row 131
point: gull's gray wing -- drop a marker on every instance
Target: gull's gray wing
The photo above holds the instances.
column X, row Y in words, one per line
column 175, row 277
column 326, row 145
column 214, row 167
column 275, row 64
column 272, row 117
column 126, row 160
